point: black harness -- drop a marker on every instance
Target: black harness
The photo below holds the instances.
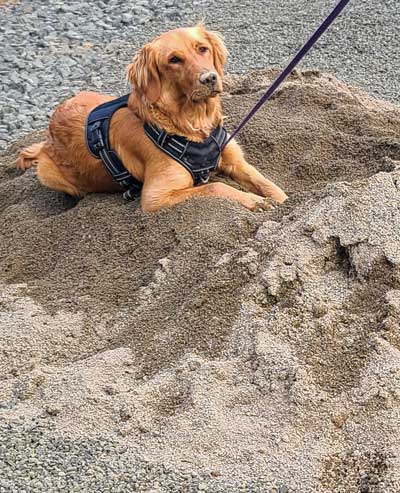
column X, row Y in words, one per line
column 97, row 128
column 199, row 158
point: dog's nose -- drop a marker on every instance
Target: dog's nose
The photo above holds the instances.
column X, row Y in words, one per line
column 209, row 79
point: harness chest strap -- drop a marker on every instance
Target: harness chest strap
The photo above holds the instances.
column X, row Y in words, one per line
column 198, row 158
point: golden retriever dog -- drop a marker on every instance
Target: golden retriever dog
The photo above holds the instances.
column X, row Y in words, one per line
column 177, row 82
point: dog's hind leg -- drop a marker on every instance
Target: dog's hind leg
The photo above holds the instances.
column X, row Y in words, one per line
column 50, row 175
column 29, row 156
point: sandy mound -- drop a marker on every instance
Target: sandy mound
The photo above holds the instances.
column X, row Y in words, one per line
column 257, row 349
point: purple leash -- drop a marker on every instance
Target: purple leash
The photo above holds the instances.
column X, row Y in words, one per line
column 302, row 52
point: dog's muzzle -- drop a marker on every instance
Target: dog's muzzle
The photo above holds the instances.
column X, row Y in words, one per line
column 209, row 79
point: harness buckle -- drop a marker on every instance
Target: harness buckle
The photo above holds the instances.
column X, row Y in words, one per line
column 130, row 194
column 204, row 178
column 99, row 144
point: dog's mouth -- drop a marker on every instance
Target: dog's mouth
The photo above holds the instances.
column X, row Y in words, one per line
column 202, row 94
column 215, row 92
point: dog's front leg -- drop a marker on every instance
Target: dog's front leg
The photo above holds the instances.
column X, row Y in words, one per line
column 154, row 198
column 233, row 164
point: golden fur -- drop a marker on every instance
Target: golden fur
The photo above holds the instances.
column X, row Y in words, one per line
column 167, row 91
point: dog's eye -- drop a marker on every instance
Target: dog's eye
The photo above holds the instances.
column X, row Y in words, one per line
column 203, row 49
column 175, row 59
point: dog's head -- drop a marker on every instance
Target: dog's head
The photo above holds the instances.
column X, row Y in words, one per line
column 186, row 63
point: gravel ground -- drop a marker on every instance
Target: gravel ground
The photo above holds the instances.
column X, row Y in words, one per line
column 57, row 48
column 33, row 461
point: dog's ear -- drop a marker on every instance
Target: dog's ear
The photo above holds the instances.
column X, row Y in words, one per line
column 219, row 50
column 143, row 74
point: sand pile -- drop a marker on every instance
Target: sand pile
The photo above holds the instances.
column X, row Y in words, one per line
column 252, row 351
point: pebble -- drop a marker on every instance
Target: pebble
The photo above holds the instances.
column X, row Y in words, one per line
column 126, row 18
column 320, row 309
column 53, row 409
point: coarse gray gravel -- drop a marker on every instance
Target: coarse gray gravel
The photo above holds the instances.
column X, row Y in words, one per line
column 55, row 49
column 33, row 461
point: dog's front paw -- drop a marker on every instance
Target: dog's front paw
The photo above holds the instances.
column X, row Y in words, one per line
column 261, row 203
column 272, row 192
column 280, row 197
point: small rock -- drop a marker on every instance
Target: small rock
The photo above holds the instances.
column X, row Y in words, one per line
column 252, row 268
column 126, row 18
column 125, row 413
column 215, row 473
column 165, row 263
column 339, row 420
column 108, row 389
column 320, row 309
column 225, row 259
column 283, row 489
column 53, row 409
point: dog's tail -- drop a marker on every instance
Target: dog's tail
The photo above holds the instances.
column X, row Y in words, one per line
column 28, row 157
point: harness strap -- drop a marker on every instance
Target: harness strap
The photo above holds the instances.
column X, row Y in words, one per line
column 97, row 139
column 199, row 158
